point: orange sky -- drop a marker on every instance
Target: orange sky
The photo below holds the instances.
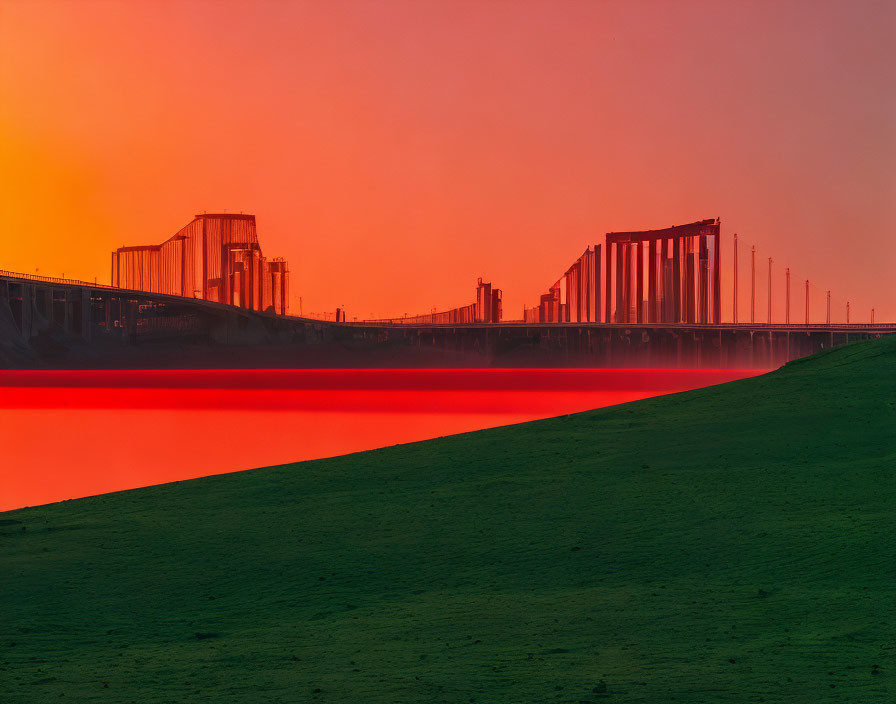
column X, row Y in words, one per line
column 394, row 151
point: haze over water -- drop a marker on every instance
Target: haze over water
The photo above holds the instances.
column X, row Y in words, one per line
column 69, row 434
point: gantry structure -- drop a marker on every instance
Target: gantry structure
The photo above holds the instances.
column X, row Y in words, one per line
column 680, row 268
column 215, row 257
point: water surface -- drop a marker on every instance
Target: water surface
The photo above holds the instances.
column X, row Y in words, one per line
column 66, row 434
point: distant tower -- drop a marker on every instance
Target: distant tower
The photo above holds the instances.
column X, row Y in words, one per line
column 769, row 291
column 829, row 309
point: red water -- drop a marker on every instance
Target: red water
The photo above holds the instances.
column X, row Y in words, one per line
column 66, row 434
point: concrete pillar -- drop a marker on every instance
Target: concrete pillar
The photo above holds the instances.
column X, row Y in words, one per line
column 131, row 321
column 608, row 265
column 226, row 278
column 676, row 280
column 597, row 250
column 27, row 302
column 620, row 278
column 663, row 287
column 119, row 313
column 688, row 294
column 627, row 292
column 651, row 282
column 50, row 306
column 86, row 315
column 569, row 314
column 703, row 280
column 67, row 319
column 717, row 281
column 639, row 290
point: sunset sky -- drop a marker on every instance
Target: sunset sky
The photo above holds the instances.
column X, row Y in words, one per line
column 395, row 151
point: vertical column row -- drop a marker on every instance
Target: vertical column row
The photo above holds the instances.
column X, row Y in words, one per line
column 716, row 280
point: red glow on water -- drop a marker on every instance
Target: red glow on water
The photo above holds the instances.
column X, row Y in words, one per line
column 67, row 434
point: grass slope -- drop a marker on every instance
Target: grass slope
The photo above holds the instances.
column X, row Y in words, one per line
column 731, row 544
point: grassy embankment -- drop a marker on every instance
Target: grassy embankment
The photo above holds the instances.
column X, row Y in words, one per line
column 731, row 544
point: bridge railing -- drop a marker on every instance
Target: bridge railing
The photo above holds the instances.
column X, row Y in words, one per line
column 54, row 280
column 437, row 319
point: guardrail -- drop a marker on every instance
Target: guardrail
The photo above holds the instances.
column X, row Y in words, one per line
column 54, row 280
column 397, row 322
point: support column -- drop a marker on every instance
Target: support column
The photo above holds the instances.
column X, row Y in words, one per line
column 608, row 311
column 629, row 276
column 131, row 322
column 664, row 283
column 27, row 302
column 580, row 290
column 676, row 280
column 619, row 281
column 86, row 310
column 585, row 284
column 703, row 280
column 50, row 306
column 67, row 307
column 639, row 290
column 227, row 282
column 597, row 250
column 689, row 280
column 716, row 280
column 651, row 282
column 118, row 314
column 204, row 286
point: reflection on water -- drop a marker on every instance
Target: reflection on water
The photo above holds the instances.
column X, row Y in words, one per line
column 66, row 434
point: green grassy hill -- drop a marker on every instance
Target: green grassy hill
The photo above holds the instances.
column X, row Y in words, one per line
column 731, row 544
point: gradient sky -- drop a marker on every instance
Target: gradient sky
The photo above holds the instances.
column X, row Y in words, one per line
column 395, row 151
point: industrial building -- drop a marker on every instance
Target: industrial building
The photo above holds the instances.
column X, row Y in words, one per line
column 216, row 257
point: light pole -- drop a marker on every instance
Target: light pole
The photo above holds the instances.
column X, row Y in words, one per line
column 787, row 301
column 753, row 286
column 807, row 301
column 734, row 302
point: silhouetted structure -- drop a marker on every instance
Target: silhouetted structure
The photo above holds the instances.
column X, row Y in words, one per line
column 210, row 287
column 216, row 257
column 486, row 309
column 679, row 267
column 574, row 297
column 682, row 273
column 59, row 322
